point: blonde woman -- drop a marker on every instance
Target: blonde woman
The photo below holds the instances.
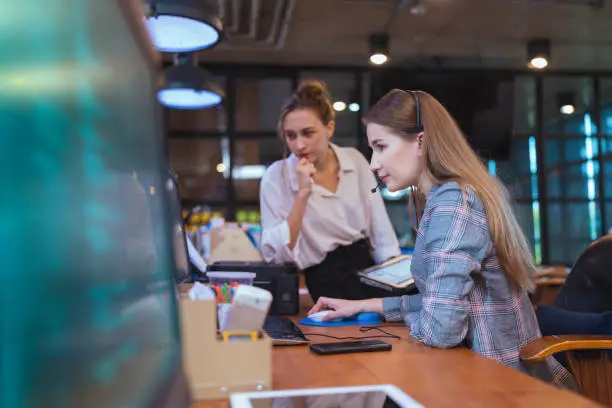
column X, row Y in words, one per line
column 471, row 262
column 317, row 209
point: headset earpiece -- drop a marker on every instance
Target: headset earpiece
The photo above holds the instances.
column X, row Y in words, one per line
column 418, row 126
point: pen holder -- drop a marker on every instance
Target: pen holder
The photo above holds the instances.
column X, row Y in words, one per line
column 216, row 368
column 222, row 312
column 224, row 293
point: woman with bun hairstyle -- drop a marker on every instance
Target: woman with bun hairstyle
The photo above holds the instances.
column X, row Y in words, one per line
column 317, row 208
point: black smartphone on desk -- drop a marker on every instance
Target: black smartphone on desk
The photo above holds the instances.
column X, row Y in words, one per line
column 361, row 346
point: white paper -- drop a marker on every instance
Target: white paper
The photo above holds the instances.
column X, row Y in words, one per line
column 201, row 292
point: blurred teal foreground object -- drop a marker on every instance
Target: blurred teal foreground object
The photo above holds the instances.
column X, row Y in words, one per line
column 88, row 313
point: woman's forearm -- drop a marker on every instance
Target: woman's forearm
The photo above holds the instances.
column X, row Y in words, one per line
column 372, row 305
column 296, row 217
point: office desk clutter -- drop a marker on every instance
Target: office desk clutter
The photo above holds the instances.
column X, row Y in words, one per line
column 282, row 280
column 228, row 330
column 225, row 286
column 241, row 307
column 230, row 353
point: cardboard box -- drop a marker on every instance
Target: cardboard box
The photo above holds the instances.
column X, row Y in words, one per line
column 216, row 368
column 229, row 243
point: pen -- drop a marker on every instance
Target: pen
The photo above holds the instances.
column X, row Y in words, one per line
column 218, row 292
column 225, row 294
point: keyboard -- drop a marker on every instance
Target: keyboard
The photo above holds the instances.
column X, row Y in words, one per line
column 283, row 332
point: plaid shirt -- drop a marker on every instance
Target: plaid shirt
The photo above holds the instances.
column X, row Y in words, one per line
column 465, row 298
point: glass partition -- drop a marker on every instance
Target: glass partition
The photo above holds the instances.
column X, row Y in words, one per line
column 571, row 167
column 87, row 300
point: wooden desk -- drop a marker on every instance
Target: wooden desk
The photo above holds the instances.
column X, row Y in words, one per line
column 434, row 377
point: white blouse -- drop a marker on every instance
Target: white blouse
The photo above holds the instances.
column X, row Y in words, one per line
column 330, row 220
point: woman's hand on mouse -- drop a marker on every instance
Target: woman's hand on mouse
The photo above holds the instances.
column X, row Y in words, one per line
column 305, row 171
column 345, row 308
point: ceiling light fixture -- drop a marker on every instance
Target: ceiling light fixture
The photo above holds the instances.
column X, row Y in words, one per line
column 567, row 109
column 538, row 53
column 186, row 86
column 379, row 48
column 183, row 25
column 339, row 106
column 565, row 102
column 416, row 7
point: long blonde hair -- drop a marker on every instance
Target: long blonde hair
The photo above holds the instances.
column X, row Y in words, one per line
column 449, row 157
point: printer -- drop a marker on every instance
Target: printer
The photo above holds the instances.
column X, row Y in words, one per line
column 282, row 280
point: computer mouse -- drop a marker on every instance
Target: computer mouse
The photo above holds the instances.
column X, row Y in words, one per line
column 318, row 317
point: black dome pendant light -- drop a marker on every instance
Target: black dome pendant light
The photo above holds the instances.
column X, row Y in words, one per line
column 187, row 86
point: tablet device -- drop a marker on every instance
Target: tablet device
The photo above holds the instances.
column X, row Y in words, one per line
column 392, row 275
column 368, row 396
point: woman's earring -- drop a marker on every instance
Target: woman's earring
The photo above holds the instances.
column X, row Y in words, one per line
column 420, row 140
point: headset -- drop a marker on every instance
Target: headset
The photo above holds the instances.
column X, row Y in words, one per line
column 417, row 128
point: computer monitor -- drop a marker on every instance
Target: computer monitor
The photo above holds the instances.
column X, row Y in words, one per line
column 88, row 312
column 182, row 271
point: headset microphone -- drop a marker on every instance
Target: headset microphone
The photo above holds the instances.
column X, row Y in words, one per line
column 378, row 186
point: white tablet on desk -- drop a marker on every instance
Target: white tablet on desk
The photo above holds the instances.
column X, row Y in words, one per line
column 393, row 274
column 368, row 396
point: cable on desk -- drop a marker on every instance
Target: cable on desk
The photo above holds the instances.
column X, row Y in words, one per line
column 363, row 329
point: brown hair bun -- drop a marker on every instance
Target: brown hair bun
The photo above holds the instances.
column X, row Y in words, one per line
column 312, row 90
column 311, row 94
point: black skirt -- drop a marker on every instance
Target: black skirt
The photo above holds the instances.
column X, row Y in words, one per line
column 336, row 277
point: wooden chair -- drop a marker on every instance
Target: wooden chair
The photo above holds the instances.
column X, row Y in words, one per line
column 587, row 290
column 589, row 358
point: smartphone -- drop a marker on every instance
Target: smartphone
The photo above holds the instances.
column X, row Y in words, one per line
column 361, row 346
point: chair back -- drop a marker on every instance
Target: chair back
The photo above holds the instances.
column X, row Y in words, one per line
column 577, row 329
column 589, row 284
column 548, row 281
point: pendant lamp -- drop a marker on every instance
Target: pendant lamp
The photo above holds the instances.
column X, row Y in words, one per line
column 183, row 25
column 187, row 86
